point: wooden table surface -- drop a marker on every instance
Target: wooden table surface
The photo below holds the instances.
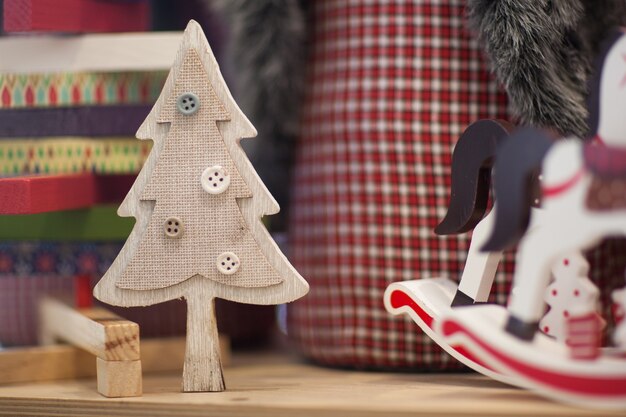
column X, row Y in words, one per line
column 269, row 385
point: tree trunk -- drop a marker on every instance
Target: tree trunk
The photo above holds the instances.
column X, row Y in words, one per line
column 203, row 366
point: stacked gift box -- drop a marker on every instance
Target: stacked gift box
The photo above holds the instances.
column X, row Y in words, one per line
column 77, row 79
column 67, row 109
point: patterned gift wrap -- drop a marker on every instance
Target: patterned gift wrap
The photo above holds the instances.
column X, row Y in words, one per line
column 391, row 87
column 72, row 155
column 75, row 89
column 30, row 270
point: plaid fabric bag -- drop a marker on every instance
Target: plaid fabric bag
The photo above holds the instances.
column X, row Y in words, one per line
column 392, row 85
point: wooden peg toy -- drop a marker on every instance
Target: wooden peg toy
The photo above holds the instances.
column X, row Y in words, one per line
column 112, row 340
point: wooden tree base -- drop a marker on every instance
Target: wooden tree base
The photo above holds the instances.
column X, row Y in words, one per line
column 203, row 365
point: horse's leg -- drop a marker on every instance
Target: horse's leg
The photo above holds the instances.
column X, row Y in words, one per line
column 536, row 254
column 480, row 267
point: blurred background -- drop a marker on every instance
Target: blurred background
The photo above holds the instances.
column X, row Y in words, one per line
column 358, row 104
column 82, row 117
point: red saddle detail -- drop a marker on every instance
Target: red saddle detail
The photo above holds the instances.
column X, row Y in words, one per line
column 605, row 161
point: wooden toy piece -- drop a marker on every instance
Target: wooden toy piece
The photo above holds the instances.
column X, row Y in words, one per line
column 119, row 378
column 76, row 16
column 472, row 161
column 57, row 362
column 113, row 340
column 480, row 268
column 40, row 194
column 428, row 301
column 425, row 300
column 198, row 204
column 584, row 335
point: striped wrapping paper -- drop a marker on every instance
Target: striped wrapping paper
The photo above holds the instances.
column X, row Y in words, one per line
column 72, row 155
column 79, row 89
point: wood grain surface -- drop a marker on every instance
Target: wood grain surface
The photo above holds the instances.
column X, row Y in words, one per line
column 269, row 385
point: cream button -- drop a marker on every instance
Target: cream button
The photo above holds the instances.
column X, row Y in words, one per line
column 228, row 263
column 173, row 227
column 215, row 180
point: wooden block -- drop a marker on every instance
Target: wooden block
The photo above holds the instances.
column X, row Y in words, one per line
column 96, row 330
column 77, row 16
column 40, row 194
column 55, row 362
column 44, row 363
column 89, row 53
column 119, row 378
column 114, row 120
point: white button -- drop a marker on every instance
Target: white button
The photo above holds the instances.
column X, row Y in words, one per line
column 228, row 263
column 188, row 103
column 173, row 227
column 215, row 180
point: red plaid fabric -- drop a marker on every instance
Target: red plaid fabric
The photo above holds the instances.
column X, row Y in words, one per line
column 392, row 86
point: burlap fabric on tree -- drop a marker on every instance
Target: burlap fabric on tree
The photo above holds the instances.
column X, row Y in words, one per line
column 210, row 223
column 391, row 87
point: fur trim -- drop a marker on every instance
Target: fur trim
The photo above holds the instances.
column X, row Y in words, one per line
column 541, row 50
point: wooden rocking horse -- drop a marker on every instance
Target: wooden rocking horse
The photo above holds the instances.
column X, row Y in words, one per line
column 583, row 193
column 425, row 300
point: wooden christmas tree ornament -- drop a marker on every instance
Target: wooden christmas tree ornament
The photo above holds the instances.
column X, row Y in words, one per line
column 198, row 205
